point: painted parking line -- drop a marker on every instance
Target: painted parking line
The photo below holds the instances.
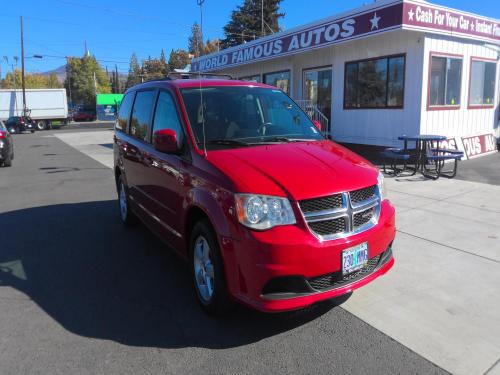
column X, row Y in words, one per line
column 442, row 298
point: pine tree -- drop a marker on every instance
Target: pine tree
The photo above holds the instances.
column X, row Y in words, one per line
column 178, row 59
column 134, row 72
column 246, row 25
column 195, row 42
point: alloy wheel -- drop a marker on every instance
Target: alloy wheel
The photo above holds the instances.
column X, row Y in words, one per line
column 203, row 269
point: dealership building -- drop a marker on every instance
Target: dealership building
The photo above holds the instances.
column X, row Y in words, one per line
column 386, row 69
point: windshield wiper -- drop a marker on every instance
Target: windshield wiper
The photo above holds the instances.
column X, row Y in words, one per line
column 288, row 140
column 226, row 142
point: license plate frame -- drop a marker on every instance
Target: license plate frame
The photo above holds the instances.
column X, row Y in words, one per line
column 354, row 258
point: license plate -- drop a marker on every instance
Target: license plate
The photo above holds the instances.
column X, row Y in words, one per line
column 355, row 258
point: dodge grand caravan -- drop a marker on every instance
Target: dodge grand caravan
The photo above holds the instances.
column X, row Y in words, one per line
column 241, row 183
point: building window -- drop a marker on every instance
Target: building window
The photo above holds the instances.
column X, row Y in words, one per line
column 375, row 83
column 280, row 80
column 255, row 78
column 482, row 83
column 445, row 82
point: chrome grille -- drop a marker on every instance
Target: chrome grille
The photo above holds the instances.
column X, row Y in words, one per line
column 326, row 227
column 342, row 214
column 320, row 204
column 361, row 218
column 363, row 194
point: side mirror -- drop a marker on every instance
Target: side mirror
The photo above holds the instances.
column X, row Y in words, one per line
column 317, row 124
column 165, row 140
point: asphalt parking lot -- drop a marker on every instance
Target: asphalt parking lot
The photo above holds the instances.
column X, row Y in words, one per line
column 81, row 294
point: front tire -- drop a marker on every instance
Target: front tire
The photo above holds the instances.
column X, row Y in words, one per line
column 126, row 215
column 208, row 270
column 8, row 161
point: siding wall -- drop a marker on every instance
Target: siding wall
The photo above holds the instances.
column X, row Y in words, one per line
column 464, row 121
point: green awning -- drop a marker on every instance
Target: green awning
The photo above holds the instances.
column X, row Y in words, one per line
column 109, row 99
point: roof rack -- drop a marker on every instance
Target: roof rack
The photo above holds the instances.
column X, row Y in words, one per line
column 188, row 75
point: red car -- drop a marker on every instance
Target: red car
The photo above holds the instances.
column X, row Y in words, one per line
column 84, row 116
column 241, row 183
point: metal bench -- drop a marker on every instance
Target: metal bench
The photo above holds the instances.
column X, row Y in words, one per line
column 395, row 157
column 439, row 157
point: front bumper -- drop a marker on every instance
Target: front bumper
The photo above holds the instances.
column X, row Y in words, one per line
column 287, row 268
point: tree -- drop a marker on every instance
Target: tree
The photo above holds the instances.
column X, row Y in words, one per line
column 154, row 68
column 178, row 59
column 211, row 46
column 134, row 72
column 195, row 41
column 32, row 81
column 86, row 78
column 246, row 22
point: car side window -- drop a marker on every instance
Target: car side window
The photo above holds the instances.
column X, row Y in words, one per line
column 166, row 116
column 124, row 112
column 141, row 114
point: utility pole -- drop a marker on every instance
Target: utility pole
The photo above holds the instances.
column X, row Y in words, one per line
column 68, row 76
column 15, row 84
column 262, row 18
column 23, row 81
column 200, row 3
column 117, row 84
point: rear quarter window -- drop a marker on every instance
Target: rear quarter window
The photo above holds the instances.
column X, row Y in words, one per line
column 140, row 122
column 124, row 112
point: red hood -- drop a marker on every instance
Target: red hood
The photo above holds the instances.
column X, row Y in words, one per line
column 297, row 170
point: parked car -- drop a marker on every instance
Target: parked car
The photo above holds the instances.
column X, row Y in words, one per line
column 6, row 147
column 19, row 124
column 80, row 116
column 241, row 183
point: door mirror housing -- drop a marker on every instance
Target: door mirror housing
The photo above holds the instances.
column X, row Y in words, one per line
column 165, row 140
column 317, row 124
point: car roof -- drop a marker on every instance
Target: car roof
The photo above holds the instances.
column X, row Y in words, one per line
column 196, row 83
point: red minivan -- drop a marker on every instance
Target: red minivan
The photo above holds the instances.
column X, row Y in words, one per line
column 236, row 179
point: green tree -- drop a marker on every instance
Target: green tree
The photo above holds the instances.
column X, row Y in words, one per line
column 212, row 46
column 32, row 81
column 134, row 72
column 154, row 68
column 178, row 59
column 87, row 78
column 196, row 46
column 245, row 23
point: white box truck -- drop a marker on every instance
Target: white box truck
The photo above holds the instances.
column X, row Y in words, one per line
column 45, row 106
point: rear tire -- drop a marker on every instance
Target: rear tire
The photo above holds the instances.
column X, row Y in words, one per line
column 41, row 125
column 126, row 215
column 207, row 270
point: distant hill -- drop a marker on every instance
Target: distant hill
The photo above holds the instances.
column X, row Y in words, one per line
column 61, row 74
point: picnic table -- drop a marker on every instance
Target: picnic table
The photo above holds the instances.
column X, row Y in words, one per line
column 426, row 157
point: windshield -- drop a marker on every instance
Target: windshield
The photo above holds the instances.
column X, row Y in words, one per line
column 242, row 116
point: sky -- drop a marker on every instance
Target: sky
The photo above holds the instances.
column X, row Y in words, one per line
column 115, row 29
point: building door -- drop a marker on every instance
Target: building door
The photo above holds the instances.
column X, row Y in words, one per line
column 317, row 89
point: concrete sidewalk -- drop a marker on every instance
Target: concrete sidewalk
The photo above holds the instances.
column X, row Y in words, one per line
column 442, row 298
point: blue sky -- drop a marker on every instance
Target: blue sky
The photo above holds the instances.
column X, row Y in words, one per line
column 114, row 29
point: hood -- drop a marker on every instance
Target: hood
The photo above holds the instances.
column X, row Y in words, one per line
column 299, row 170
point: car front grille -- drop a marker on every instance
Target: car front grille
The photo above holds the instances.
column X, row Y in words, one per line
column 336, row 279
column 342, row 214
column 320, row 204
column 326, row 227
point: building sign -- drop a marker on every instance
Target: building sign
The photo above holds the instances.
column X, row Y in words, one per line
column 450, row 22
column 479, row 145
column 397, row 15
column 312, row 37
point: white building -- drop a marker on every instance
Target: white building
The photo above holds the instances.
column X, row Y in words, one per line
column 389, row 68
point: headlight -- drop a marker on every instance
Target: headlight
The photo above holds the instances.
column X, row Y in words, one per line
column 381, row 186
column 263, row 212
